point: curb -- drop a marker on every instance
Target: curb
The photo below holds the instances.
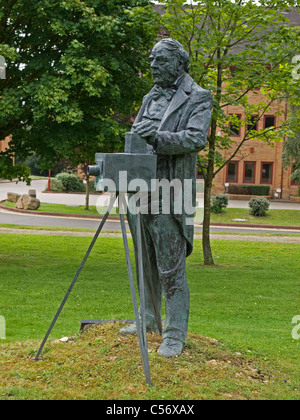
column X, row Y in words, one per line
column 45, row 213
column 83, row 216
column 256, row 226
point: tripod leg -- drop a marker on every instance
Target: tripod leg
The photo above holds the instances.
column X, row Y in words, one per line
column 150, row 285
column 141, row 335
column 141, row 276
column 113, row 199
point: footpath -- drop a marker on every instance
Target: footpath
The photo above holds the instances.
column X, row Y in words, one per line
column 214, row 236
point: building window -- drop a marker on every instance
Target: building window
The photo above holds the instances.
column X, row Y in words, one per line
column 235, row 126
column 253, row 123
column 269, row 121
column 249, row 172
column 232, row 172
column 266, row 173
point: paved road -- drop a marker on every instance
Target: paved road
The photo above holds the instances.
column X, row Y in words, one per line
column 110, row 225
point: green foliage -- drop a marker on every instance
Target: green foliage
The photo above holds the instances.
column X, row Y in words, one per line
column 236, row 47
column 10, row 171
column 244, row 189
column 291, row 149
column 70, row 182
column 55, row 185
column 219, row 202
column 75, row 71
column 34, row 163
column 259, row 206
column 296, row 175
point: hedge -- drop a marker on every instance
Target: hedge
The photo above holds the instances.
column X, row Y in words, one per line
column 245, row 189
column 71, row 182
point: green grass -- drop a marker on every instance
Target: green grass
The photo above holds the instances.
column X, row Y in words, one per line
column 62, row 208
column 247, row 302
column 273, row 217
column 48, row 228
column 78, row 229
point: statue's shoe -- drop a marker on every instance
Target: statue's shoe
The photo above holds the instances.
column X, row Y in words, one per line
column 170, row 347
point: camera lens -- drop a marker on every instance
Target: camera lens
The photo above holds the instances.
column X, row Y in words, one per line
column 94, row 170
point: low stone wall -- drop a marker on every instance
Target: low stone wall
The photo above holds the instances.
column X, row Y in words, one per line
column 295, row 199
column 246, row 197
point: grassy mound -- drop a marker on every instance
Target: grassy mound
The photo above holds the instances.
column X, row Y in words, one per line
column 101, row 364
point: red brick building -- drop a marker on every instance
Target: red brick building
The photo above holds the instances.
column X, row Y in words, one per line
column 4, row 144
column 256, row 162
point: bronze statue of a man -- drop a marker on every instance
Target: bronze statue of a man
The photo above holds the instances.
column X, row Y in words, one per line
column 174, row 120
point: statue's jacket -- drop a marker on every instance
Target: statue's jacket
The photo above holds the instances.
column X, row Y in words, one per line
column 181, row 134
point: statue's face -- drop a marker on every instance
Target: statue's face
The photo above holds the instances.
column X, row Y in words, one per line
column 165, row 66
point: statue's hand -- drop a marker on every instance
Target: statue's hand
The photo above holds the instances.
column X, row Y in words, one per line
column 146, row 129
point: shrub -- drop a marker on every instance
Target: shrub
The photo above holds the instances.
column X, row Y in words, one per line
column 70, row 182
column 295, row 177
column 222, row 200
column 55, row 185
column 218, row 203
column 259, row 206
column 244, row 189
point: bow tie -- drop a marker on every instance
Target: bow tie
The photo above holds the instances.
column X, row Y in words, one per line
column 168, row 93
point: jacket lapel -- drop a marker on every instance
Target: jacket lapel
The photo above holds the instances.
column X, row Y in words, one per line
column 178, row 100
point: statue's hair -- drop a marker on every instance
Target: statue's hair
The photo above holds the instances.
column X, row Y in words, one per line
column 173, row 45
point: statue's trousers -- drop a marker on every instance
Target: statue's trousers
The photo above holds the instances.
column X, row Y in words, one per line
column 164, row 260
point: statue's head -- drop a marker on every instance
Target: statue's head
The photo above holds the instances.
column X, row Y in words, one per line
column 169, row 60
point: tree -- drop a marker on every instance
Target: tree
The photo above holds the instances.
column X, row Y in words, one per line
column 75, row 70
column 291, row 151
column 235, row 46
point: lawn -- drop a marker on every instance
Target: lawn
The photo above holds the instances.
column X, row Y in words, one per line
column 273, row 217
column 65, row 209
column 246, row 302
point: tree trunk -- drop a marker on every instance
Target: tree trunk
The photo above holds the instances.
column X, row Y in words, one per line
column 207, row 252
column 87, row 193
